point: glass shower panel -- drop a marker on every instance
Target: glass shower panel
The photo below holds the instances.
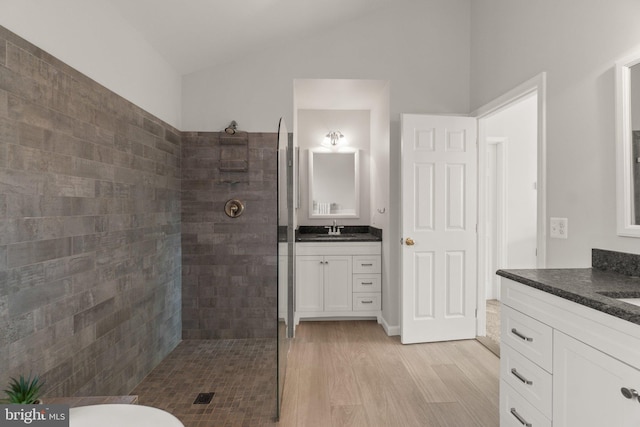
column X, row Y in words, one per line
column 285, row 253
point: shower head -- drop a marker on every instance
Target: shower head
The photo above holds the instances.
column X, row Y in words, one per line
column 231, row 129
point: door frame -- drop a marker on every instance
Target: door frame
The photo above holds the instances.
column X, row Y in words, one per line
column 501, row 147
column 535, row 85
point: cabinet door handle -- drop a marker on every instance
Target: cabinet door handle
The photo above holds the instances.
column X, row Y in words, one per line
column 629, row 393
column 519, row 417
column 519, row 376
column 367, row 302
column 367, row 265
column 515, row 332
column 367, row 283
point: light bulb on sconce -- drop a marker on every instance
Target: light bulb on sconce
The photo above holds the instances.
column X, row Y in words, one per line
column 334, row 137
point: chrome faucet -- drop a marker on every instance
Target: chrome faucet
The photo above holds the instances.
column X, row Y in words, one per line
column 334, row 230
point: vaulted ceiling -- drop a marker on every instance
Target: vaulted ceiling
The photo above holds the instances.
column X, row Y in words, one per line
column 195, row 34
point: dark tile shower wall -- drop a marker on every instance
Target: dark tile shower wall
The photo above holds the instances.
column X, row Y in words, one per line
column 90, row 255
column 229, row 264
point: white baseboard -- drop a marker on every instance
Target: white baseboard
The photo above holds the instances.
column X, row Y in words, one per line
column 390, row 330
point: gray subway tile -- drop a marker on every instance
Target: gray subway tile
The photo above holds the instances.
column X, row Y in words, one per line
column 3, row 52
column 20, row 254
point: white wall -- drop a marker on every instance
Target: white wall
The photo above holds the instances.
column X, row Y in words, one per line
column 635, row 96
column 92, row 38
column 381, row 211
column 518, row 124
column 421, row 46
column 576, row 42
column 312, row 126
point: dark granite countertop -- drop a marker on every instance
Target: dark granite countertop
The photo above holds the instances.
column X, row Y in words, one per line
column 357, row 233
column 590, row 287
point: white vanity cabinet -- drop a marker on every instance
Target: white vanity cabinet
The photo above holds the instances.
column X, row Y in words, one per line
column 309, row 283
column 525, row 369
column 588, row 387
column 565, row 364
column 340, row 279
column 324, row 283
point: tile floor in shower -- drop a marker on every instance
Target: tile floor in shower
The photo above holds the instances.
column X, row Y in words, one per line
column 241, row 372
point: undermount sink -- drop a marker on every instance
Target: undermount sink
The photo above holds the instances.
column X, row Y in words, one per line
column 631, row 297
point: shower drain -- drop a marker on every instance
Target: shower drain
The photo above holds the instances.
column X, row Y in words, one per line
column 203, row 398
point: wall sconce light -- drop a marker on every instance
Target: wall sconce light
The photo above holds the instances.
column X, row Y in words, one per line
column 231, row 129
column 334, row 136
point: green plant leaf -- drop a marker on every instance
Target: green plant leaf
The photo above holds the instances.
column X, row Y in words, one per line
column 23, row 391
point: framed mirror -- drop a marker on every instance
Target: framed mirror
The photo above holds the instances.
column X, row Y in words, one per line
column 333, row 184
column 628, row 145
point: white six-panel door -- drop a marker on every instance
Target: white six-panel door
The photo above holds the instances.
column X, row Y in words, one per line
column 439, row 192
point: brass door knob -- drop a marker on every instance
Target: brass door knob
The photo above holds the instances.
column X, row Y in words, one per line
column 409, row 241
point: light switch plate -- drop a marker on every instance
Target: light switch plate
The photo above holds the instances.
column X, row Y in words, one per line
column 559, row 228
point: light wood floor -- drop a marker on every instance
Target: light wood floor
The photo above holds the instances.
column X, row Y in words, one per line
column 352, row 374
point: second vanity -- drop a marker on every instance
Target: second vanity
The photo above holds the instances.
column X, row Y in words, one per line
column 338, row 276
column 571, row 353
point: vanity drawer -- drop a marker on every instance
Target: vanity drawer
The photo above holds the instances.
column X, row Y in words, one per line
column 366, row 301
column 366, row 283
column 527, row 378
column 366, row 264
column 531, row 338
column 515, row 411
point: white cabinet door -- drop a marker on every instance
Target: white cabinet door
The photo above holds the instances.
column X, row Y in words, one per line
column 337, row 283
column 309, row 283
column 587, row 387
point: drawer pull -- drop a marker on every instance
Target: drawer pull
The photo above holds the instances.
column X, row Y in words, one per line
column 367, row 265
column 367, row 302
column 519, row 376
column 367, row 283
column 519, row 417
column 515, row 332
